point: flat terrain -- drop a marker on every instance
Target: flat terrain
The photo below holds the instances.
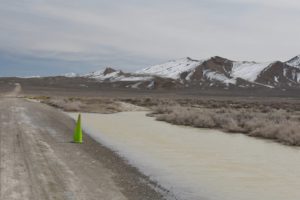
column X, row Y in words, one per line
column 259, row 112
column 79, row 87
column 38, row 160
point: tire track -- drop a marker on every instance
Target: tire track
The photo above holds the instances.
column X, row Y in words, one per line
column 38, row 161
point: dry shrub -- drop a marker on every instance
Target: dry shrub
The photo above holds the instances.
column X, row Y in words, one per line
column 286, row 132
column 65, row 104
column 204, row 121
column 162, row 109
column 73, row 106
column 276, row 124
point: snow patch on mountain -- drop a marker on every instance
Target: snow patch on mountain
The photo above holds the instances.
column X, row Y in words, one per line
column 96, row 75
column 70, row 75
column 172, row 69
column 133, row 78
column 36, row 76
column 248, row 70
column 294, row 62
column 211, row 75
column 100, row 75
column 110, row 74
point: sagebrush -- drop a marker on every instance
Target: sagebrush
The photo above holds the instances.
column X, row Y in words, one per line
column 274, row 124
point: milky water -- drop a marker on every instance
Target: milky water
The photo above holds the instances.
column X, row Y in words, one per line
column 200, row 163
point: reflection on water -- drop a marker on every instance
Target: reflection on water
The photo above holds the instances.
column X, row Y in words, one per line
column 200, row 163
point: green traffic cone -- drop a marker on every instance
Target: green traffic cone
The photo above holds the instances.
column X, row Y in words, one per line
column 78, row 131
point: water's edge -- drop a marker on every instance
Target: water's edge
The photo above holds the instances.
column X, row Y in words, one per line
column 198, row 163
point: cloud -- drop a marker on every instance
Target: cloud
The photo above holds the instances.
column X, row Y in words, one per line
column 134, row 33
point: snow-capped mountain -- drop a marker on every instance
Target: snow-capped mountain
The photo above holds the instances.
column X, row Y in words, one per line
column 112, row 75
column 104, row 74
column 220, row 72
column 213, row 72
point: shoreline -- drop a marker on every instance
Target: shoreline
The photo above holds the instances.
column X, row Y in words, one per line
column 127, row 176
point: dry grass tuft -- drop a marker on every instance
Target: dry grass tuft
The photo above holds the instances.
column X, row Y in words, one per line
column 66, row 105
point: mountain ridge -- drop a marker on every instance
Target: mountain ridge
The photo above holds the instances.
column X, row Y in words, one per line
column 212, row 72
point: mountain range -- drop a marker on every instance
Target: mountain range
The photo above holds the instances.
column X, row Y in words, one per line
column 215, row 72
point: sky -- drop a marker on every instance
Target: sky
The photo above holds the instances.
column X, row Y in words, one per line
column 49, row 37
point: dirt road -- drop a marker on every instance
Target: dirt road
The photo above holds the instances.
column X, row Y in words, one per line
column 38, row 160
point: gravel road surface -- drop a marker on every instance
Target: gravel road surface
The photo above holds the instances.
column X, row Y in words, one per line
column 38, row 160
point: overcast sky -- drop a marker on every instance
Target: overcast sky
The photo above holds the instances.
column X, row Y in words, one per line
column 46, row 37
